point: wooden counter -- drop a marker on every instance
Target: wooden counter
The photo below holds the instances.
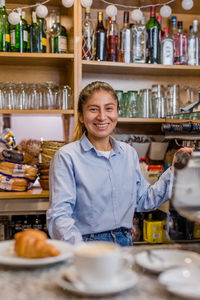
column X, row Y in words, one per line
column 34, row 201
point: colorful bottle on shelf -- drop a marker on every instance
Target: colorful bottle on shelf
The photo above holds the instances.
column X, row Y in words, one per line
column 60, row 41
column 112, row 40
column 125, row 40
column 193, row 45
column 180, row 46
column 4, row 28
column 139, row 42
column 173, row 25
column 42, row 35
column 167, row 49
column 162, row 33
column 153, row 38
column 19, row 35
column 87, row 36
column 100, row 38
column 34, row 34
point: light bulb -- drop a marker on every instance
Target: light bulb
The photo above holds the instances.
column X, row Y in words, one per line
column 165, row 11
column 137, row 15
column 41, row 11
column 14, row 18
column 67, row 3
column 86, row 3
column 187, row 4
column 111, row 11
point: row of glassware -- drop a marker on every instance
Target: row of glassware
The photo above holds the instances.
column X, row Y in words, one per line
column 158, row 102
column 23, row 96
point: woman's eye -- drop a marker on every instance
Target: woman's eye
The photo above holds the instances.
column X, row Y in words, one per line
column 109, row 108
column 93, row 109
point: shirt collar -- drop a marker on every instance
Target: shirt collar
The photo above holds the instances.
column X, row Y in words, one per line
column 87, row 145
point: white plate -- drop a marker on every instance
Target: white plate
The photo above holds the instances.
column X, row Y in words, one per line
column 183, row 282
column 125, row 280
column 9, row 258
column 161, row 259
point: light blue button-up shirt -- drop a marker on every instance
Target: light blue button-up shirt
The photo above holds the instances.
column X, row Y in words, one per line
column 90, row 193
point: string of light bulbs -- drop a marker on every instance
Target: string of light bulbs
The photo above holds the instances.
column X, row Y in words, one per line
column 111, row 9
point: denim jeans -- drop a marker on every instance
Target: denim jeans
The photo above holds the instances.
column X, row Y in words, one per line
column 121, row 236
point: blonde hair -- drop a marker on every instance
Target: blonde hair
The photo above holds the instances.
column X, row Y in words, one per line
column 85, row 94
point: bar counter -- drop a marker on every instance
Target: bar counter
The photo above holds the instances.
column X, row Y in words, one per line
column 40, row 283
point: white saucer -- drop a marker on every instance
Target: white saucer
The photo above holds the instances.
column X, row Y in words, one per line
column 126, row 279
column 159, row 260
column 182, row 282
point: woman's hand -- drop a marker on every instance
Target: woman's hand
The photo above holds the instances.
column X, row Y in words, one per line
column 181, row 157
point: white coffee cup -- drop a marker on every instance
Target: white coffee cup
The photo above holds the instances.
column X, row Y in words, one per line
column 98, row 263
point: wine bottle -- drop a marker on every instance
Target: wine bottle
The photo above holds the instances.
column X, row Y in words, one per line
column 112, row 40
column 87, row 36
column 60, row 41
column 180, row 46
column 4, row 28
column 42, row 35
column 21, row 34
column 153, row 41
column 34, row 34
column 100, row 38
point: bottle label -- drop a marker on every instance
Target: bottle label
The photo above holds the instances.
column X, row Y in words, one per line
column 62, row 44
column 7, row 38
column 191, row 52
column 12, row 37
column 25, row 36
column 44, row 41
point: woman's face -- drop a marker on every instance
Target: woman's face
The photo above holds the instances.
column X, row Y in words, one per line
column 99, row 115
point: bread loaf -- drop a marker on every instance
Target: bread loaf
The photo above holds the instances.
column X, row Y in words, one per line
column 13, row 184
column 18, row 170
column 31, row 243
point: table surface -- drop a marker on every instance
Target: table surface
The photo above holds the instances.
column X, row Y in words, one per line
column 40, row 283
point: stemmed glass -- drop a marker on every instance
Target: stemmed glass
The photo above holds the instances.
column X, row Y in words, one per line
column 53, row 28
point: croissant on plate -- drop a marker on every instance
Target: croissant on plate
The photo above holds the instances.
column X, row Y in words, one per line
column 31, row 243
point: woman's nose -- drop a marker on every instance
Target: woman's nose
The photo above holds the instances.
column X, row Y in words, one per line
column 101, row 115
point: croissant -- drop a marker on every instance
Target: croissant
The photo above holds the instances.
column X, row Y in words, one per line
column 31, row 243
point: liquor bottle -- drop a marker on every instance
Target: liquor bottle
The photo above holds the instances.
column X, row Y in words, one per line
column 4, row 28
column 153, row 40
column 193, row 45
column 139, row 42
column 180, row 46
column 42, row 35
column 125, row 40
column 167, row 49
column 173, row 25
column 21, row 34
column 112, row 40
column 100, row 38
column 60, row 41
column 87, row 36
column 34, row 34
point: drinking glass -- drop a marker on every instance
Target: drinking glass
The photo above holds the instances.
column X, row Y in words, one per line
column 144, row 104
column 158, row 101
column 2, row 96
column 132, row 103
column 64, row 98
column 53, row 28
column 9, row 95
column 119, row 94
column 173, row 99
column 20, row 96
column 50, row 95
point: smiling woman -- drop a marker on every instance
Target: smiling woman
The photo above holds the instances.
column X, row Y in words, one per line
column 95, row 182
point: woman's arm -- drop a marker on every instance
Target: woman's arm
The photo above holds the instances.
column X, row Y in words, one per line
column 60, row 215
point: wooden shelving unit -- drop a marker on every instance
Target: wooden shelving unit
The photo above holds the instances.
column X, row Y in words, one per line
column 42, row 111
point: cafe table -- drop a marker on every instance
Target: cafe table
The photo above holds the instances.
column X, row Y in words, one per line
column 41, row 283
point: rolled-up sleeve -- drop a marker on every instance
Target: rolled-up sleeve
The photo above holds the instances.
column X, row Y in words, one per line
column 152, row 196
column 60, row 221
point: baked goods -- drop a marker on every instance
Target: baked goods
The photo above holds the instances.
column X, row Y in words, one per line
column 31, row 243
column 18, row 170
column 13, row 184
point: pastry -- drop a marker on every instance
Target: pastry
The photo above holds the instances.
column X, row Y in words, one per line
column 31, row 243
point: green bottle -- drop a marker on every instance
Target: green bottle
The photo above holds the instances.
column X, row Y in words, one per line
column 4, row 28
column 60, row 41
column 34, row 34
column 43, row 36
column 21, row 33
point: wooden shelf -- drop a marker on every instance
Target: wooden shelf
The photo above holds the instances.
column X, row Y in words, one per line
column 141, row 120
column 35, row 59
column 42, row 111
column 34, row 192
column 139, row 69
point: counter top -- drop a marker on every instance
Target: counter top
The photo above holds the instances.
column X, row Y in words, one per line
column 35, row 192
column 40, row 283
